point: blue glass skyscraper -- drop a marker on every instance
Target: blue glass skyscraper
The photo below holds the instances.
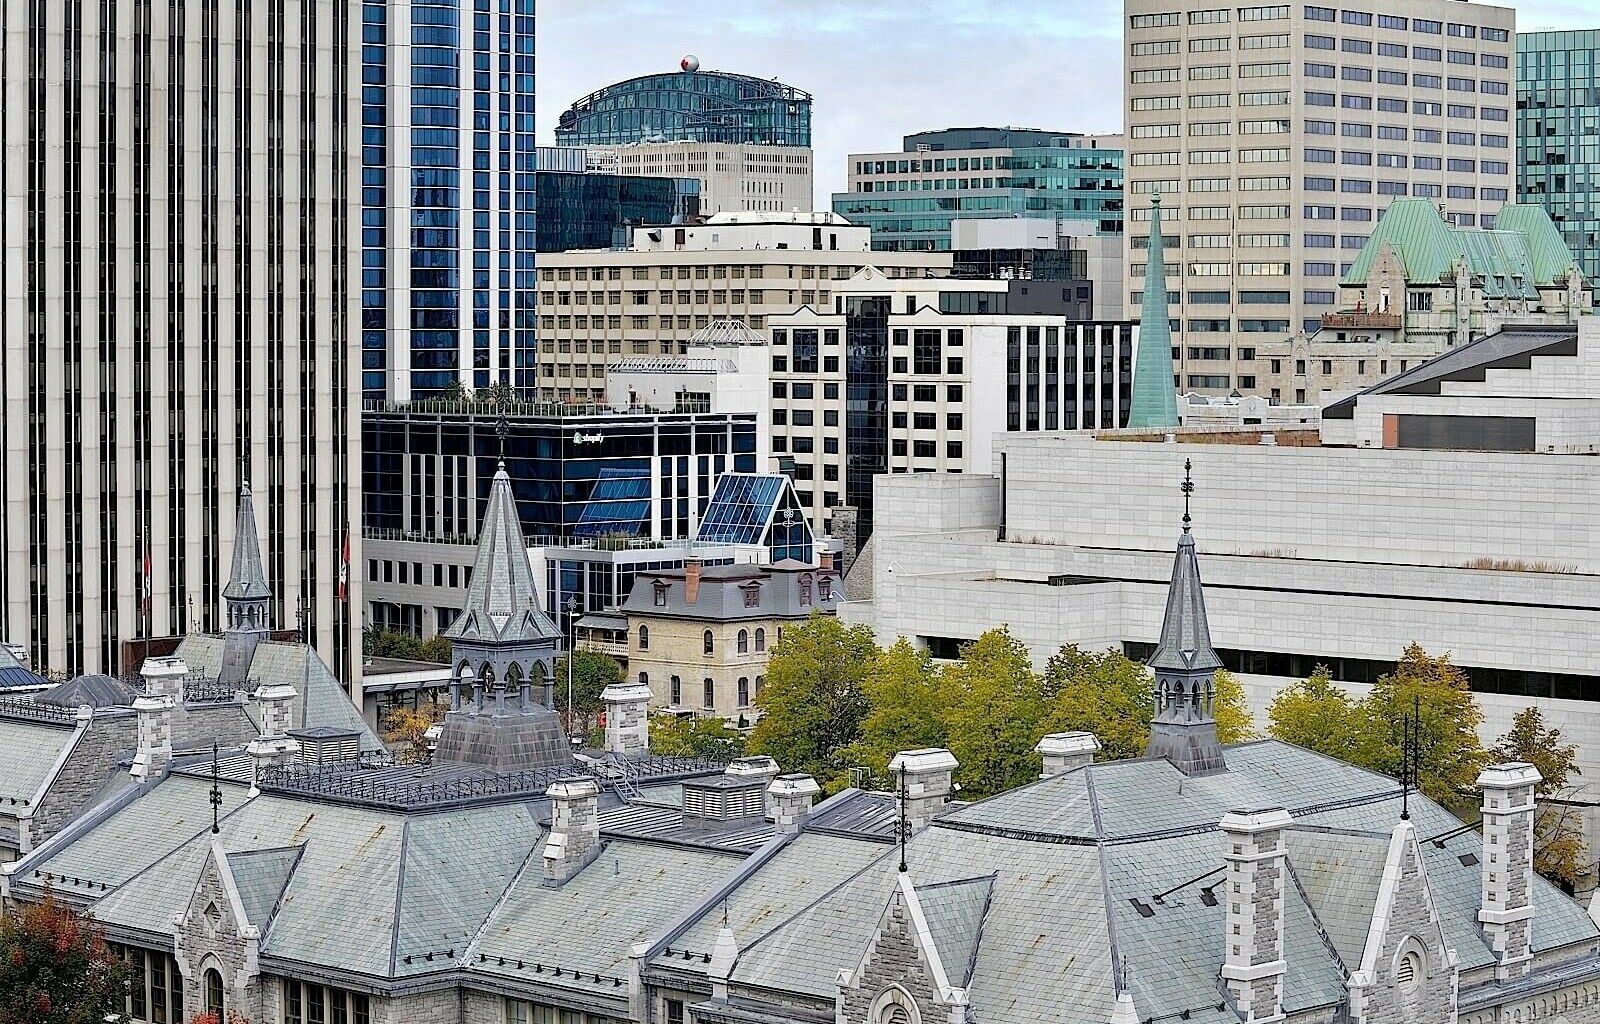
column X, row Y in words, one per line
column 448, row 211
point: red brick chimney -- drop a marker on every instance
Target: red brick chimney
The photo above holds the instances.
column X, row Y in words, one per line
column 691, row 580
column 827, row 560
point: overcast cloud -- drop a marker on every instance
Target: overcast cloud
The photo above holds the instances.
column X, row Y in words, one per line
column 880, row 69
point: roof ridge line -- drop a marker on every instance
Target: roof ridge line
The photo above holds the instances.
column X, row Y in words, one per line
column 399, row 894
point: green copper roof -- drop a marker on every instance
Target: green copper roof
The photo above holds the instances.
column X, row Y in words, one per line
column 1155, row 401
column 1523, row 251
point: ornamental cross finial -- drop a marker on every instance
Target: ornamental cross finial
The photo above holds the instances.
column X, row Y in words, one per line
column 1188, row 489
column 502, row 429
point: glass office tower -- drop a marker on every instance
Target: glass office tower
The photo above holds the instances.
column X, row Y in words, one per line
column 596, row 210
column 447, row 189
column 1558, row 135
column 702, row 106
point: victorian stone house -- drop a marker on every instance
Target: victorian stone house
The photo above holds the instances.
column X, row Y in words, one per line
column 518, row 880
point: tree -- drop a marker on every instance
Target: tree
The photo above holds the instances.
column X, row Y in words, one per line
column 592, row 672
column 1451, row 755
column 994, row 713
column 1113, row 696
column 1317, row 714
column 1558, row 848
column 1107, row 694
column 383, row 642
column 405, row 730
column 814, row 700
column 906, row 708
column 686, row 736
column 55, row 968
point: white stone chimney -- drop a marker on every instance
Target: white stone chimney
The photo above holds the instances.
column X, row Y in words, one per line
column 1506, row 910
column 1252, row 961
column 627, row 718
column 929, row 781
column 574, row 838
column 274, row 746
column 1067, row 751
column 154, row 730
column 757, row 766
column 789, row 800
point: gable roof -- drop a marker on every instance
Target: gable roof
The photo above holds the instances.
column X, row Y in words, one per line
column 954, row 912
column 260, row 877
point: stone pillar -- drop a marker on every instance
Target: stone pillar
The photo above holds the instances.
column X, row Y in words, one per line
column 627, row 718
column 164, row 676
column 1067, row 751
column 723, row 957
column 1506, row 911
column 276, row 701
column 574, row 838
column 1252, row 962
column 928, row 782
column 789, row 800
column 154, row 728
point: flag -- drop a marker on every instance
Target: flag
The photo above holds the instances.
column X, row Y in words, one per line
column 145, row 589
column 344, row 569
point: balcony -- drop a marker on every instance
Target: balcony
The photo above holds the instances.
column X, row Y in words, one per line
column 1359, row 321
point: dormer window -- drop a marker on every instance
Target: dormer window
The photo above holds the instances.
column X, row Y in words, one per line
column 661, row 594
column 825, row 587
column 752, row 595
column 805, row 589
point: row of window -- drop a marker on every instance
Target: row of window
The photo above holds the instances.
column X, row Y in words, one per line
column 1280, row 12
column 708, row 699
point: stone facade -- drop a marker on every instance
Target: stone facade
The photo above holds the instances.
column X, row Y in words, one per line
column 83, row 773
column 1506, row 907
column 674, row 649
column 574, row 838
column 894, row 972
column 1405, row 925
column 1253, row 959
column 210, row 936
column 627, row 718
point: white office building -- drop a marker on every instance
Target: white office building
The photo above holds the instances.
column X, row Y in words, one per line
column 734, row 177
column 1278, row 133
column 180, row 311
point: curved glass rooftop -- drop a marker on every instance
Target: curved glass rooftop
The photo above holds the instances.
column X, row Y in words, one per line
column 699, row 106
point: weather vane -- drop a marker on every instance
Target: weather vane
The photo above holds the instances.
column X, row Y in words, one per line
column 1188, row 489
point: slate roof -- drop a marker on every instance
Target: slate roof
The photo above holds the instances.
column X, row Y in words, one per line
column 321, row 701
column 502, row 604
column 261, row 877
column 96, row 691
column 31, row 750
column 1512, row 347
column 1185, row 642
column 721, row 597
column 13, row 674
column 955, row 913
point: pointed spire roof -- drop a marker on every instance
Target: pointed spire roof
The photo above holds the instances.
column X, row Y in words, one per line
column 248, row 580
column 502, row 604
column 1155, row 397
column 1185, row 644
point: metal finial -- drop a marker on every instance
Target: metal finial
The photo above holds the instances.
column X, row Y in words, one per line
column 216, row 793
column 904, row 827
column 1188, row 489
column 502, row 430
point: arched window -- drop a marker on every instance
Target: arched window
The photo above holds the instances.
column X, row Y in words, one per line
column 761, row 683
column 711, row 694
column 214, row 1001
column 744, row 692
column 710, row 643
column 644, row 638
column 761, row 640
column 744, row 641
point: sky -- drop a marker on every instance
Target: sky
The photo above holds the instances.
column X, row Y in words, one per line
column 880, row 69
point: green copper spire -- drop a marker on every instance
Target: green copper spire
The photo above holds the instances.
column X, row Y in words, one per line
column 1155, row 401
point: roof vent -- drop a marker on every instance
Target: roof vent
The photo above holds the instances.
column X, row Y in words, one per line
column 325, row 744
column 725, row 798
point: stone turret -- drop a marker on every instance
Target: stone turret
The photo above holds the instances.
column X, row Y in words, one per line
column 1184, row 729
column 1253, row 962
column 1506, row 910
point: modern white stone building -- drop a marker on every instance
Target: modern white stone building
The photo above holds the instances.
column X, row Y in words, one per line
column 734, row 177
column 1278, row 133
column 1338, row 552
column 597, row 306
column 180, row 318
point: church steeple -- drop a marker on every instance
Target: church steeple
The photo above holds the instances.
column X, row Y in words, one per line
column 1155, row 402
column 247, row 598
column 1184, row 730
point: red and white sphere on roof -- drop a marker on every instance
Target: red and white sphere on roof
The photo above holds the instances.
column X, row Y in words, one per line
column 689, row 63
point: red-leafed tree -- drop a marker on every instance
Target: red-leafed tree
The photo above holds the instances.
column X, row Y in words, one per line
column 55, row 968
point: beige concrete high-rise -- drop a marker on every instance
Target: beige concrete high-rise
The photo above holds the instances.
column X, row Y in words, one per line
column 179, row 318
column 1278, row 133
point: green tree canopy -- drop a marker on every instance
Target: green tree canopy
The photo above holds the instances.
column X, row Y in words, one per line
column 815, row 701
column 1558, row 847
column 1317, row 714
column 907, row 709
column 994, row 714
column 55, row 968
column 686, row 736
column 1451, row 755
column 592, row 672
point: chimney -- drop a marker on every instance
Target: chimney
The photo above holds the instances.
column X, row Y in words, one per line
column 1253, row 962
column 758, row 766
column 165, row 676
column 1067, row 751
column 574, row 838
column 827, row 561
column 154, row 728
column 789, row 799
column 691, row 579
column 627, row 718
column 276, row 701
column 1506, row 911
column 928, row 776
